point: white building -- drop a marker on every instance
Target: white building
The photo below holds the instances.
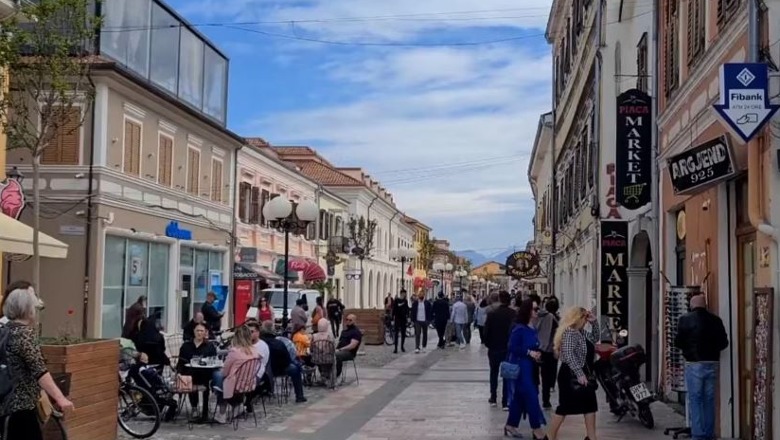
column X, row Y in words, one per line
column 540, row 169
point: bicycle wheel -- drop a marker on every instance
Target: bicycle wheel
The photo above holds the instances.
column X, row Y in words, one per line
column 138, row 413
column 389, row 337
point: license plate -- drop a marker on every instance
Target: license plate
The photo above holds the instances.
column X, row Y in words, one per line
column 640, row 392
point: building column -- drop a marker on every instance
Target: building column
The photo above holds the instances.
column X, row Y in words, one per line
column 637, row 310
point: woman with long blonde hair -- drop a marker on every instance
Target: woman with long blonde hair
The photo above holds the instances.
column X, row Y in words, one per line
column 577, row 391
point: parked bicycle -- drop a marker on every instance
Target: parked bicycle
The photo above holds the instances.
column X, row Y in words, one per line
column 390, row 330
column 138, row 413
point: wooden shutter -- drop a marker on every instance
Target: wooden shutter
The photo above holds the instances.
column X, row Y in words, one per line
column 254, row 211
column 264, row 196
column 65, row 145
column 695, row 30
column 132, row 148
column 193, row 165
column 164, row 161
column 243, row 200
column 216, row 180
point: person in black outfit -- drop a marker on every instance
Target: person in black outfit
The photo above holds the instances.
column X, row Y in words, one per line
column 400, row 319
column 212, row 317
column 498, row 327
column 150, row 341
column 189, row 328
column 421, row 318
column 199, row 346
column 441, row 315
column 349, row 343
column 335, row 313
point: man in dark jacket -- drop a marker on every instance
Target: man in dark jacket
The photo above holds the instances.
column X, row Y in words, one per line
column 422, row 314
column 335, row 313
column 441, row 315
column 400, row 319
column 701, row 337
column 212, row 317
column 498, row 327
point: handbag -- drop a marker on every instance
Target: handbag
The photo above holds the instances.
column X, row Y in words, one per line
column 184, row 384
column 592, row 383
column 508, row 370
column 44, row 407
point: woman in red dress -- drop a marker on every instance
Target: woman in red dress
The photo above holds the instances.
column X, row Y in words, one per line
column 266, row 313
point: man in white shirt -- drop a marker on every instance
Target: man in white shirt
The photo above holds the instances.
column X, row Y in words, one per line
column 260, row 346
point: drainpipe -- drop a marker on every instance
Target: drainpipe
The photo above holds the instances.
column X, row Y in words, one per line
column 597, row 154
column 318, row 225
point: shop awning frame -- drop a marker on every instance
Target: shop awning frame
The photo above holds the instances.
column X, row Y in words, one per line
column 247, row 269
column 17, row 238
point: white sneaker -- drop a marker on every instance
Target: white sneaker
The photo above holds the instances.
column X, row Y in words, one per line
column 416, row 350
column 221, row 416
column 462, row 346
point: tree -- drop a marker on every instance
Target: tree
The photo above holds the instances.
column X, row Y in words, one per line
column 45, row 61
column 361, row 233
column 425, row 253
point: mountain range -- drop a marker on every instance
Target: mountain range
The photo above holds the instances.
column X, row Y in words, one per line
column 478, row 258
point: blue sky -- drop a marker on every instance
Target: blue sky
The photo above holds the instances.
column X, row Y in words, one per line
column 447, row 129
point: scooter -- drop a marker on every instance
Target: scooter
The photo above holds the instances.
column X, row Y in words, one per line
column 617, row 370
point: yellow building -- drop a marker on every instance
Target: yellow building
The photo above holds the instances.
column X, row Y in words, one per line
column 422, row 263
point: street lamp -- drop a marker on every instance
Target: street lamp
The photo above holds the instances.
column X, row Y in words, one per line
column 441, row 268
column 281, row 215
column 403, row 255
column 460, row 273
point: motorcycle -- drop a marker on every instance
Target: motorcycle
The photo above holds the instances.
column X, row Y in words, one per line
column 617, row 370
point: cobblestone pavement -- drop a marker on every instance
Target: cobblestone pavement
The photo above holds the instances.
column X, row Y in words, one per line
column 439, row 395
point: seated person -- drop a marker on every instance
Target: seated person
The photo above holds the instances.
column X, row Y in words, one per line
column 302, row 343
column 189, row 328
column 349, row 342
column 148, row 378
column 150, row 341
column 199, row 346
column 226, row 382
column 284, row 359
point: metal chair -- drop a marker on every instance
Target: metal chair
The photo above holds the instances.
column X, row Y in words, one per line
column 244, row 391
column 323, row 356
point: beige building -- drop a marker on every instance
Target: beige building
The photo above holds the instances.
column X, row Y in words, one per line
column 142, row 192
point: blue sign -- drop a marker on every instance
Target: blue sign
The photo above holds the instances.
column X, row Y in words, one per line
column 174, row 231
column 744, row 98
column 222, row 293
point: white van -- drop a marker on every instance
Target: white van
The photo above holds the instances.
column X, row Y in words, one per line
column 275, row 297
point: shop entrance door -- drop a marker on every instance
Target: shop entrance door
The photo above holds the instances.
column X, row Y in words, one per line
column 745, row 282
column 185, row 296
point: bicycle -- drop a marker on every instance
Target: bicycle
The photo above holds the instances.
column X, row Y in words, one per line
column 140, row 402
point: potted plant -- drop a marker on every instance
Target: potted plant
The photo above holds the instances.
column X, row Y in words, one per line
column 93, row 385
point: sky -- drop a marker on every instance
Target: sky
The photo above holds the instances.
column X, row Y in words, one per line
column 438, row 99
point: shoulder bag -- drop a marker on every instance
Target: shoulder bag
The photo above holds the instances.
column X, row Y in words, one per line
column 592, row 382
column 508, row 370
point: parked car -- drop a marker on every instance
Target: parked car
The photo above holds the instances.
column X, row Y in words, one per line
column 275, row 298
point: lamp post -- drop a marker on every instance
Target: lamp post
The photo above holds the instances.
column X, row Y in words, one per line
column 403, row 255
column 460, row 273
column 442, row 268
column 281, row 215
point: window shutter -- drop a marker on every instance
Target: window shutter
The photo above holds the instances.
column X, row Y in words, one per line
column 132, row 147
column 64, row 147
column 254, row 212
column 216, row 180
column 264, row 196
column 243, row 195
column 164, row 161
column 193, row 164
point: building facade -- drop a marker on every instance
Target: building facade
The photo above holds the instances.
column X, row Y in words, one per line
column 143, row 188
column 422, row 263
column 540, row 167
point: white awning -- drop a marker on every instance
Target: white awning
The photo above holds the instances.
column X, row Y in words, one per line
column 17, row 238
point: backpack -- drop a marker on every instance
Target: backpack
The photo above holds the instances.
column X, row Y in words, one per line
column 7, row 381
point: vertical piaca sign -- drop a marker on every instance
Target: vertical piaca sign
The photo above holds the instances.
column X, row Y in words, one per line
column 614, row 273
column 633, row 149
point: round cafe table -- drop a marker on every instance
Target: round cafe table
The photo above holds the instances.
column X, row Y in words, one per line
column 210, row 366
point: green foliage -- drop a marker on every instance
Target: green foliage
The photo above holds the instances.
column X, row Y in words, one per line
column 425, row 252
column 324, row 287
column 44, row 55
column 362, row 232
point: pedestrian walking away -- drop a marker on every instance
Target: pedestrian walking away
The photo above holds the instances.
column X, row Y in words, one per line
column 400, row 319
column 441, row 316
column 471, row 308
column 576, row 385
column 422, row 314
column 547, row 324
column 480, row 315
column 460, row 318
column 498, row 326
column 701, row 337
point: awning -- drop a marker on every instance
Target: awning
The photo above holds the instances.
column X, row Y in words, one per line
column 314, row 273
column 252, row 271
column 17, row 238
column 292, row 273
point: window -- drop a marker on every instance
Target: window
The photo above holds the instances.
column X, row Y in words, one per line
column 679, row 251
column 216, row 180
column 254, row 210
column 214, row 84
column 264, row 197
column 642, row 71
column 205, row 266
column 726, row 9
column 164, row 69
column 591, row 148
column 164, row 160
column 131, row 155
column 244, row 195
column 191, row 68
column 125, row 33
column 65, row 145
column 193, row 170
column 696, row 29
column 671, row 47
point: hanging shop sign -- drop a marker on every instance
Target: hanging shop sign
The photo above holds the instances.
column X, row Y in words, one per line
column 702, row 166
column 633, row 144
column 612, row 204
column 614, row 273
column 522, row 264
column 12, row 200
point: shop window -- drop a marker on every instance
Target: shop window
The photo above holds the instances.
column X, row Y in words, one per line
column 164, row 160
column 131, row 154
column 65, row 145
column 216, row 180
column 205, row 265
column 128, row 274
column 193, row 170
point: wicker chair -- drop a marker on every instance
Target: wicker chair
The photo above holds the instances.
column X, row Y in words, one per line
column 323, row 356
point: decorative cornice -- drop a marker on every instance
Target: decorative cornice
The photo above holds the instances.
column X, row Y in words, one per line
column 167, row 126
column 134, row 110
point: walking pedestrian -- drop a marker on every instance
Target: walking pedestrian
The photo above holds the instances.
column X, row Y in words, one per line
column 422, row 314
column 576, row 386
column 547, row 324
column 701, row 337
column 441, row 316
column 498, row 326
column 480, row 315
column 335, row 313
column 400, row 319
column 460, row 318
column 471, row 308
column 523, row 391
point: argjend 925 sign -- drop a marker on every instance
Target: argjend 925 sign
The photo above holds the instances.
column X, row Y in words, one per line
column 614, row 273
column 633, row 147
column 701, row 166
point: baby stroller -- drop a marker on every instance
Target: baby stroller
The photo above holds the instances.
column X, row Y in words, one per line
column 150, row 379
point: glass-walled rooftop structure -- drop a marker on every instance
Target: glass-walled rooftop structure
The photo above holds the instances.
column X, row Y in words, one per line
column 151, row 40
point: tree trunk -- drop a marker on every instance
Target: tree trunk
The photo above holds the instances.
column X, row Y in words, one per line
column 36, row 281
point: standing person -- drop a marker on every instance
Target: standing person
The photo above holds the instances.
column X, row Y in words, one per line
column 318, row 313
column 546, row 325
column 498, row 326
column 400, row 319
column 575, row 349
column 701, row 337
column 189, row 328
column 524, row 394
column 471, row 308
column 441, row 316
column 335, row 314
column 480, row 315
column 460, row 318
column 298, row 316
column 212, row 317
column 422, row 314
column 265, row 312
column 133, row 317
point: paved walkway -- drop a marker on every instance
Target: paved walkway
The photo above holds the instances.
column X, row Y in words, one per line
column 437, row 395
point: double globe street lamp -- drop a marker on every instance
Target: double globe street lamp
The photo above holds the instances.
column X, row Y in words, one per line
column 461, row 274
column 403, row 255
column 442, row 268
column 282, row 215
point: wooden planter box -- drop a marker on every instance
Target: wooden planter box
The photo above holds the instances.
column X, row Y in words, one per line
column 372, row 323
column 94, row 386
